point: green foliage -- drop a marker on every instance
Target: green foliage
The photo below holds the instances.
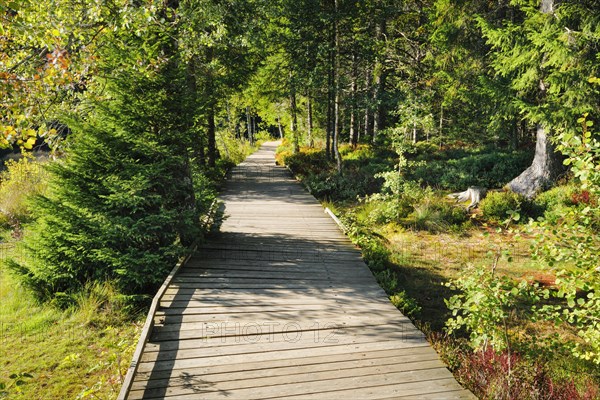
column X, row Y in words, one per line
column 406, row 304
column 374, row 252
column 88, row 344
column 121, row 205
column 555, row 47
column 498, row 206
column 575, row 242
column 388, row 280
column 457, row 170
column 16, row 382
column 486, row 306
column 435, row 215
column 556, row 203
column 320, row 176
column 409, row 204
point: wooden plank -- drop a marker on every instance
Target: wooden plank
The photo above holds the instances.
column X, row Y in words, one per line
column 266, row 309
column 283, row 354
column 230, row 327
column 273, row 367
column 361, row 293
column 237, row 381
column 321, row 335
column 352, row 265
column 299, row 317
column 310, row 342
column 318, row 388
column 263, row 272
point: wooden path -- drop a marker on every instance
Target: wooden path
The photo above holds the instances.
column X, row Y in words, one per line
column 281, row 305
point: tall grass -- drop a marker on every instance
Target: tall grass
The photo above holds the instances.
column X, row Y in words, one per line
column 18, row 182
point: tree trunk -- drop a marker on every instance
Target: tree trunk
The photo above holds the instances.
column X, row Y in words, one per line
column 368, row 120
column 414, row 132
column 380, row 81
column 336, row 79
column 353, row 88
column 544, row 170
column 212, row 148
column 309, row 120
column 294, row 121
column 330, row 96
column 441, row 126
column 280, row 128
column 547, row 163
column 249, row 125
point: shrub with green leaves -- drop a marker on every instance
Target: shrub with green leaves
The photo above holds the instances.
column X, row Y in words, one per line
column 561, row 202
column 499, row 206
column 387, row 279
column 406, row 304
column 486, row 306
column 570, row 248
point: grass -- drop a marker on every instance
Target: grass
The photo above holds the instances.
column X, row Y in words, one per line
column 46, row 352
column 49, row 353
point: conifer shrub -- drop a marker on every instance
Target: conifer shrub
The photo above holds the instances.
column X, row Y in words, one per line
column 121, row 206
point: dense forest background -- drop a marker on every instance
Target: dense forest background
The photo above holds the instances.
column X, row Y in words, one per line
column 120, row 118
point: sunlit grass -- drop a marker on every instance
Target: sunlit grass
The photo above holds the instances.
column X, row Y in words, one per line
column 83, row 351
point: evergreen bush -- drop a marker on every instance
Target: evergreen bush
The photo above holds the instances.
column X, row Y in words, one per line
column 121, row 205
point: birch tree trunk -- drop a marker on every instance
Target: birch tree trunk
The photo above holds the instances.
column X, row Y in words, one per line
column 353, row 89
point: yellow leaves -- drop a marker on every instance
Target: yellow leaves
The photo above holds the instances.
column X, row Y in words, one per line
column 5, row 134
column 29, row 143
column 24, row 138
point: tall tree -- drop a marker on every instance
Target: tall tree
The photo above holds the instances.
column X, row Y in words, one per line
column 548, row 58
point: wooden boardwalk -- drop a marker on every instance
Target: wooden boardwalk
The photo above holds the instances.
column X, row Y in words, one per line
column 281, row 305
